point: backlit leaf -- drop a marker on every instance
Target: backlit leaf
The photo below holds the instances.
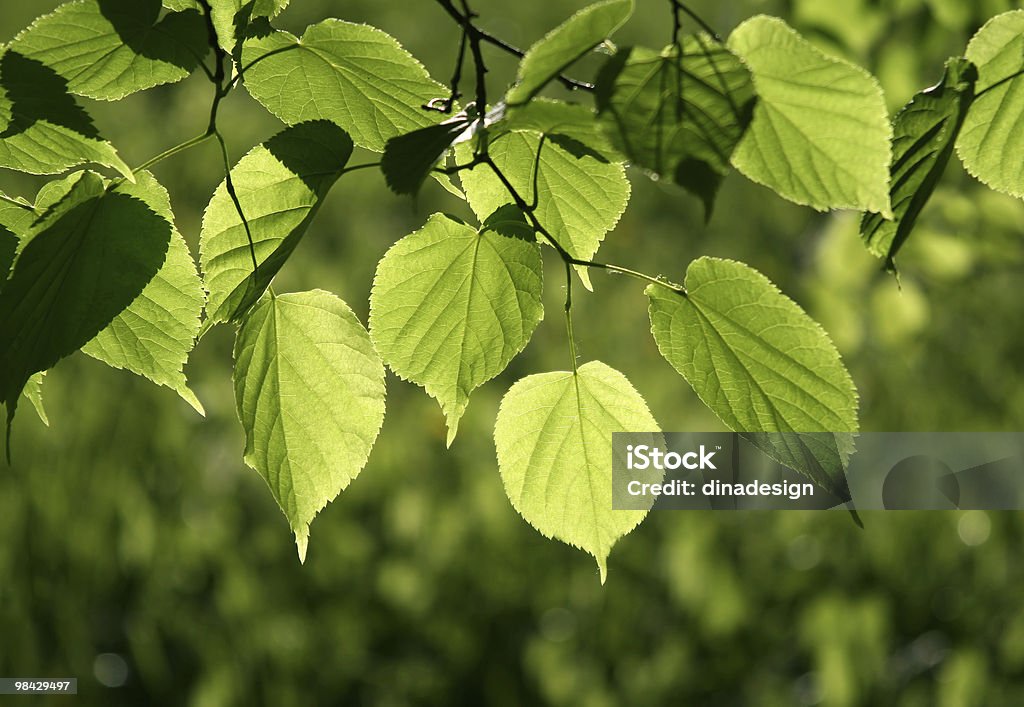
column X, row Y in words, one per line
column 820, row 133
column 451, row 307
column 991, row 143
column 761, row 364
column 554, row 441
column 107, row 49
column 280, row 186
column 79, row 266
column 309, row 390
column 579, row 194
column 353, row 75
column 154, row 335
column 44, row 131
column 565, row 44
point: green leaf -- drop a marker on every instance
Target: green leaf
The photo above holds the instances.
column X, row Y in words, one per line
column 991, row 143
column 14, row 221
column 232, row 17
column 45, row 131
column 760, row 363
column 107, row 49
column 574, row 125
column 580, row 195
column 409, row 158
column 34, row 394
column 309, row 390
column 280, row 186
column 678, row 118
column 353, row 75
column 565, row 44
column 554, row 440
column 451, row 307
column 820, row 133
column 924, row 133
column 154, row 335
column 80, row 265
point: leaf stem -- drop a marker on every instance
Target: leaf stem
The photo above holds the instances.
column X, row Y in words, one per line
column 171, row 151
column 230, row 185
column 529, row 211
column 680, row 5
column 568, row 314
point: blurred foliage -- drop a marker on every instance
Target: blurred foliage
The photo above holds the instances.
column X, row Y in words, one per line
column 141, row 556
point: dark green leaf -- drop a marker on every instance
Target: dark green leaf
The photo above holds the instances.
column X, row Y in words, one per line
column 924, row 133
column 79, row 266
column 680, row 118
column 409, row 158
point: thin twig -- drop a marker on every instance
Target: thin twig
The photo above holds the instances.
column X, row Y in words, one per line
column 485, row 36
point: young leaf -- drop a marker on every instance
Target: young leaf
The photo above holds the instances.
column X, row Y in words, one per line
column 820, row 133
column 309, row 390
column 580, row 196
column 79, row 266
column 409, row 158
column 554, row 441
column 280, row 186
column 991, row 143
column 924, row 133
column 451, row 307
column 42, row 129
column 34, row 394
column 760, row 363
column 232, row 17
column 565, row 44
column 154, row 335
column 107, row 49
column 353, row 75
column 678, row 117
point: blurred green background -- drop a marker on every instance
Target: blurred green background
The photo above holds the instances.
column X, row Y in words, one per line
column 139, row 554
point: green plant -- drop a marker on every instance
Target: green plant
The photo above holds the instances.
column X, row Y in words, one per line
column 95, row 263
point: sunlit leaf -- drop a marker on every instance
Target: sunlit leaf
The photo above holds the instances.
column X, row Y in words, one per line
column 108, row 49
column 451, row 307
column 565, row 44
column 280, row 186
column 760, row 363
column 79, row 266
column 820, row 133
column 154, row 335
column 42, row 129
column 309, row 390
column 991, row 143
column 554, row 441
column 579, row 195
column 353, row 75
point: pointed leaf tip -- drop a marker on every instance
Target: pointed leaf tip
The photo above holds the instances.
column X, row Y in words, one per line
column 556, row 470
